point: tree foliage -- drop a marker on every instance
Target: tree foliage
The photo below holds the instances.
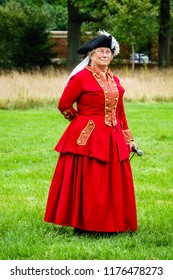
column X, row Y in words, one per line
column 131, row 22
column 24, row 40
column 79, row 13
column 136, row 23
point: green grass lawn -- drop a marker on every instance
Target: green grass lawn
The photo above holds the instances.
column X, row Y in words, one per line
column 27, row 163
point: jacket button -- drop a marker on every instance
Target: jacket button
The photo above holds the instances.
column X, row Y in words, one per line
column 90, row 122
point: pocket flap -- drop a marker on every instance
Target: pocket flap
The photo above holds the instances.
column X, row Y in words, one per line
column 85, row 133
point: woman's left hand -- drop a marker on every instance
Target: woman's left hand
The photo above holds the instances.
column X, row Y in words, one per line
column 133, row 145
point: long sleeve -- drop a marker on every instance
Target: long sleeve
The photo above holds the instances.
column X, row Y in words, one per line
column 69, row 96
column 124, row 124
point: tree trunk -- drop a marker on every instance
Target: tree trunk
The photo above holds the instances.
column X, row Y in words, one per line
column 164, row 34
column 74, row 27
column 133, row 58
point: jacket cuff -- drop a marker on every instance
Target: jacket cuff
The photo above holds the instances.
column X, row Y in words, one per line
column 69, row 114
column 128, row 136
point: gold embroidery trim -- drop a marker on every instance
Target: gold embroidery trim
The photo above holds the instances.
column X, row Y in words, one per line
column 109, row 117
column 128, row 136
column 68, row 114
column 85, row 133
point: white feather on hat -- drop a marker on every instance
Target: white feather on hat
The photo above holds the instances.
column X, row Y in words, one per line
column 115, row 45
column 115, row 50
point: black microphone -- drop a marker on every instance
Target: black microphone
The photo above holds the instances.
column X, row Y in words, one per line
column 138, row 152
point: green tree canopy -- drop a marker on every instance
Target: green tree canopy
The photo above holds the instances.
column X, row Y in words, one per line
column 24, row 40
column 136, row 22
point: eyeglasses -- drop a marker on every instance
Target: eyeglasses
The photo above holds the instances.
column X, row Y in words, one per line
column 102, row 52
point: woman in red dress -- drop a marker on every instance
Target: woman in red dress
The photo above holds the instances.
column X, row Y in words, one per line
column 92, row 188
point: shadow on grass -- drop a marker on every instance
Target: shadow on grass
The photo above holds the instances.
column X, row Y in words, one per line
column 63, row 231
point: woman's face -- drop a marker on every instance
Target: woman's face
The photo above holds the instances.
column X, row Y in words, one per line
column 101, row 57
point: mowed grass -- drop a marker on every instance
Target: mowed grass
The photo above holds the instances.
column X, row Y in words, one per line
column 27, row 163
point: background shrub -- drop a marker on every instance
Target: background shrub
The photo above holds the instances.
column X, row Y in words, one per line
column 24, row 41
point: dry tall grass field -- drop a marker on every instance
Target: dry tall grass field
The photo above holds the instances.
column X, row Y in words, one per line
column 26, row 90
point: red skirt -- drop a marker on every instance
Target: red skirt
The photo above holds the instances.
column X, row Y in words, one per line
column 92, row 195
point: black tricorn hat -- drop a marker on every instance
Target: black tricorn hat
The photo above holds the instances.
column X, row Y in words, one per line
column 97, row 42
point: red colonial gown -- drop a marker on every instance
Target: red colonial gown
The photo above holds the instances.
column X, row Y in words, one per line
column 92, row 187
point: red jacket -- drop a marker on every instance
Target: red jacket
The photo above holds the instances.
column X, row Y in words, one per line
column 99, row 112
